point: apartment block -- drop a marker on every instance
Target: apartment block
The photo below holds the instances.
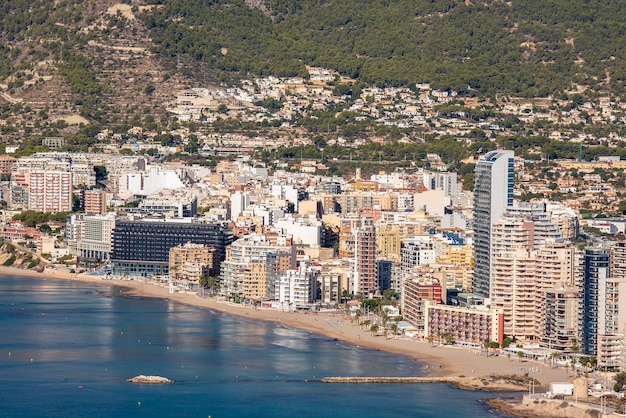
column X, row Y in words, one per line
column 192, row 261
column 95, row 233
column 50, row 191
column 252, row 266
column 414, row 296
column 493, row 192
column 296, row 287
column 95, row 201
column 561, row 313
column 473, row 326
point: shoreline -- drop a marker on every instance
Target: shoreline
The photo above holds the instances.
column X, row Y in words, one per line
column 443, row 361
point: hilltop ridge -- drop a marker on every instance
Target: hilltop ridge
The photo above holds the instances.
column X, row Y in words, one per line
column 107, row 63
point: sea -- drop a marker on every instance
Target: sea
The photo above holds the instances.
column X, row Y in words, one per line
column 68, row 348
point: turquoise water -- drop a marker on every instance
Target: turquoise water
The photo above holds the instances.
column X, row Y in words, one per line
column 66, row 350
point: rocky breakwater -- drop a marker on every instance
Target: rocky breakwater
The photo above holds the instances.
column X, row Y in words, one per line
column 151, row 380
column 492, row 383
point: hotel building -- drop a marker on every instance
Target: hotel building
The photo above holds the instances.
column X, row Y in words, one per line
column 472, row 326
column 142, row 247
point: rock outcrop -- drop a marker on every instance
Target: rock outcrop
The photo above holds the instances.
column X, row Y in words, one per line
column 152, row 380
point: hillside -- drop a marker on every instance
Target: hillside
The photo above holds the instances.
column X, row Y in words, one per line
column 522, row 47
column 72, row 62
column 78, row 63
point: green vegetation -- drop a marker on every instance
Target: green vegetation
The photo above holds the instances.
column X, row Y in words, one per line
column 9, row 261
column 523, row 48
column 32, row 218
column 620, row 381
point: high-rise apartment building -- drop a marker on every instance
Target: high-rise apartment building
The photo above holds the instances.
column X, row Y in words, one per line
column 252, row 266
column 596, row 269
column 611, row 347
column 416, row 251
column 357, row 242
column 296, row 287
column 388, row 242
column 238, row 203
column 95, row 201
column 493, row 192
column 415, row 293
column 561, row 319
column 365, row 274
column 50, row 191
column 525, row 261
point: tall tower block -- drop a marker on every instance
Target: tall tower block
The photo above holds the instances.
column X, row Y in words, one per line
column 493, row 193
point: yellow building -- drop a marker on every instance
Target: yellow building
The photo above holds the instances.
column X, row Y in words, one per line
column 365, row 186
column 191, row 261
column 459, row 255
column 388, row 242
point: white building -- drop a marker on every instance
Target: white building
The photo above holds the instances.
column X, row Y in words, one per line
column 153, row 181
column 304, row 231
column 95, row 236
column 493, row 192
column 296, row 287
column 417, row 250
column 447, row 182
column 431, row 201
column 238, row 203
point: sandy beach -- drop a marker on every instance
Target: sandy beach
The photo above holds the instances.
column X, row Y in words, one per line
column 437, row 361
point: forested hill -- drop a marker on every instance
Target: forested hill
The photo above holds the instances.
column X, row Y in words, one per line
column 521, row 47
column 117, row 64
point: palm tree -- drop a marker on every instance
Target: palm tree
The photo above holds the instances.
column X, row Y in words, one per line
column 394, row 329
column 384, row 316
column 553, row 356
column 520, row 355
column 374, row 329
column 366, row 323
column 573, row 364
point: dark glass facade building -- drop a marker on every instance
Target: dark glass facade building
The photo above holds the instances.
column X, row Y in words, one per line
column 596, row 268
column 141, row 247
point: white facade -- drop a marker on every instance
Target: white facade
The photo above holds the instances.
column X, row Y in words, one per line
column 304, row 231
column 611, row 321
column 432, row 201
column 287, row 192
column 238, row 203
column 416, row 251
column 296, row 287
column 447, row 182
column 153, row 181
column 96, row 233
column 493, row 192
